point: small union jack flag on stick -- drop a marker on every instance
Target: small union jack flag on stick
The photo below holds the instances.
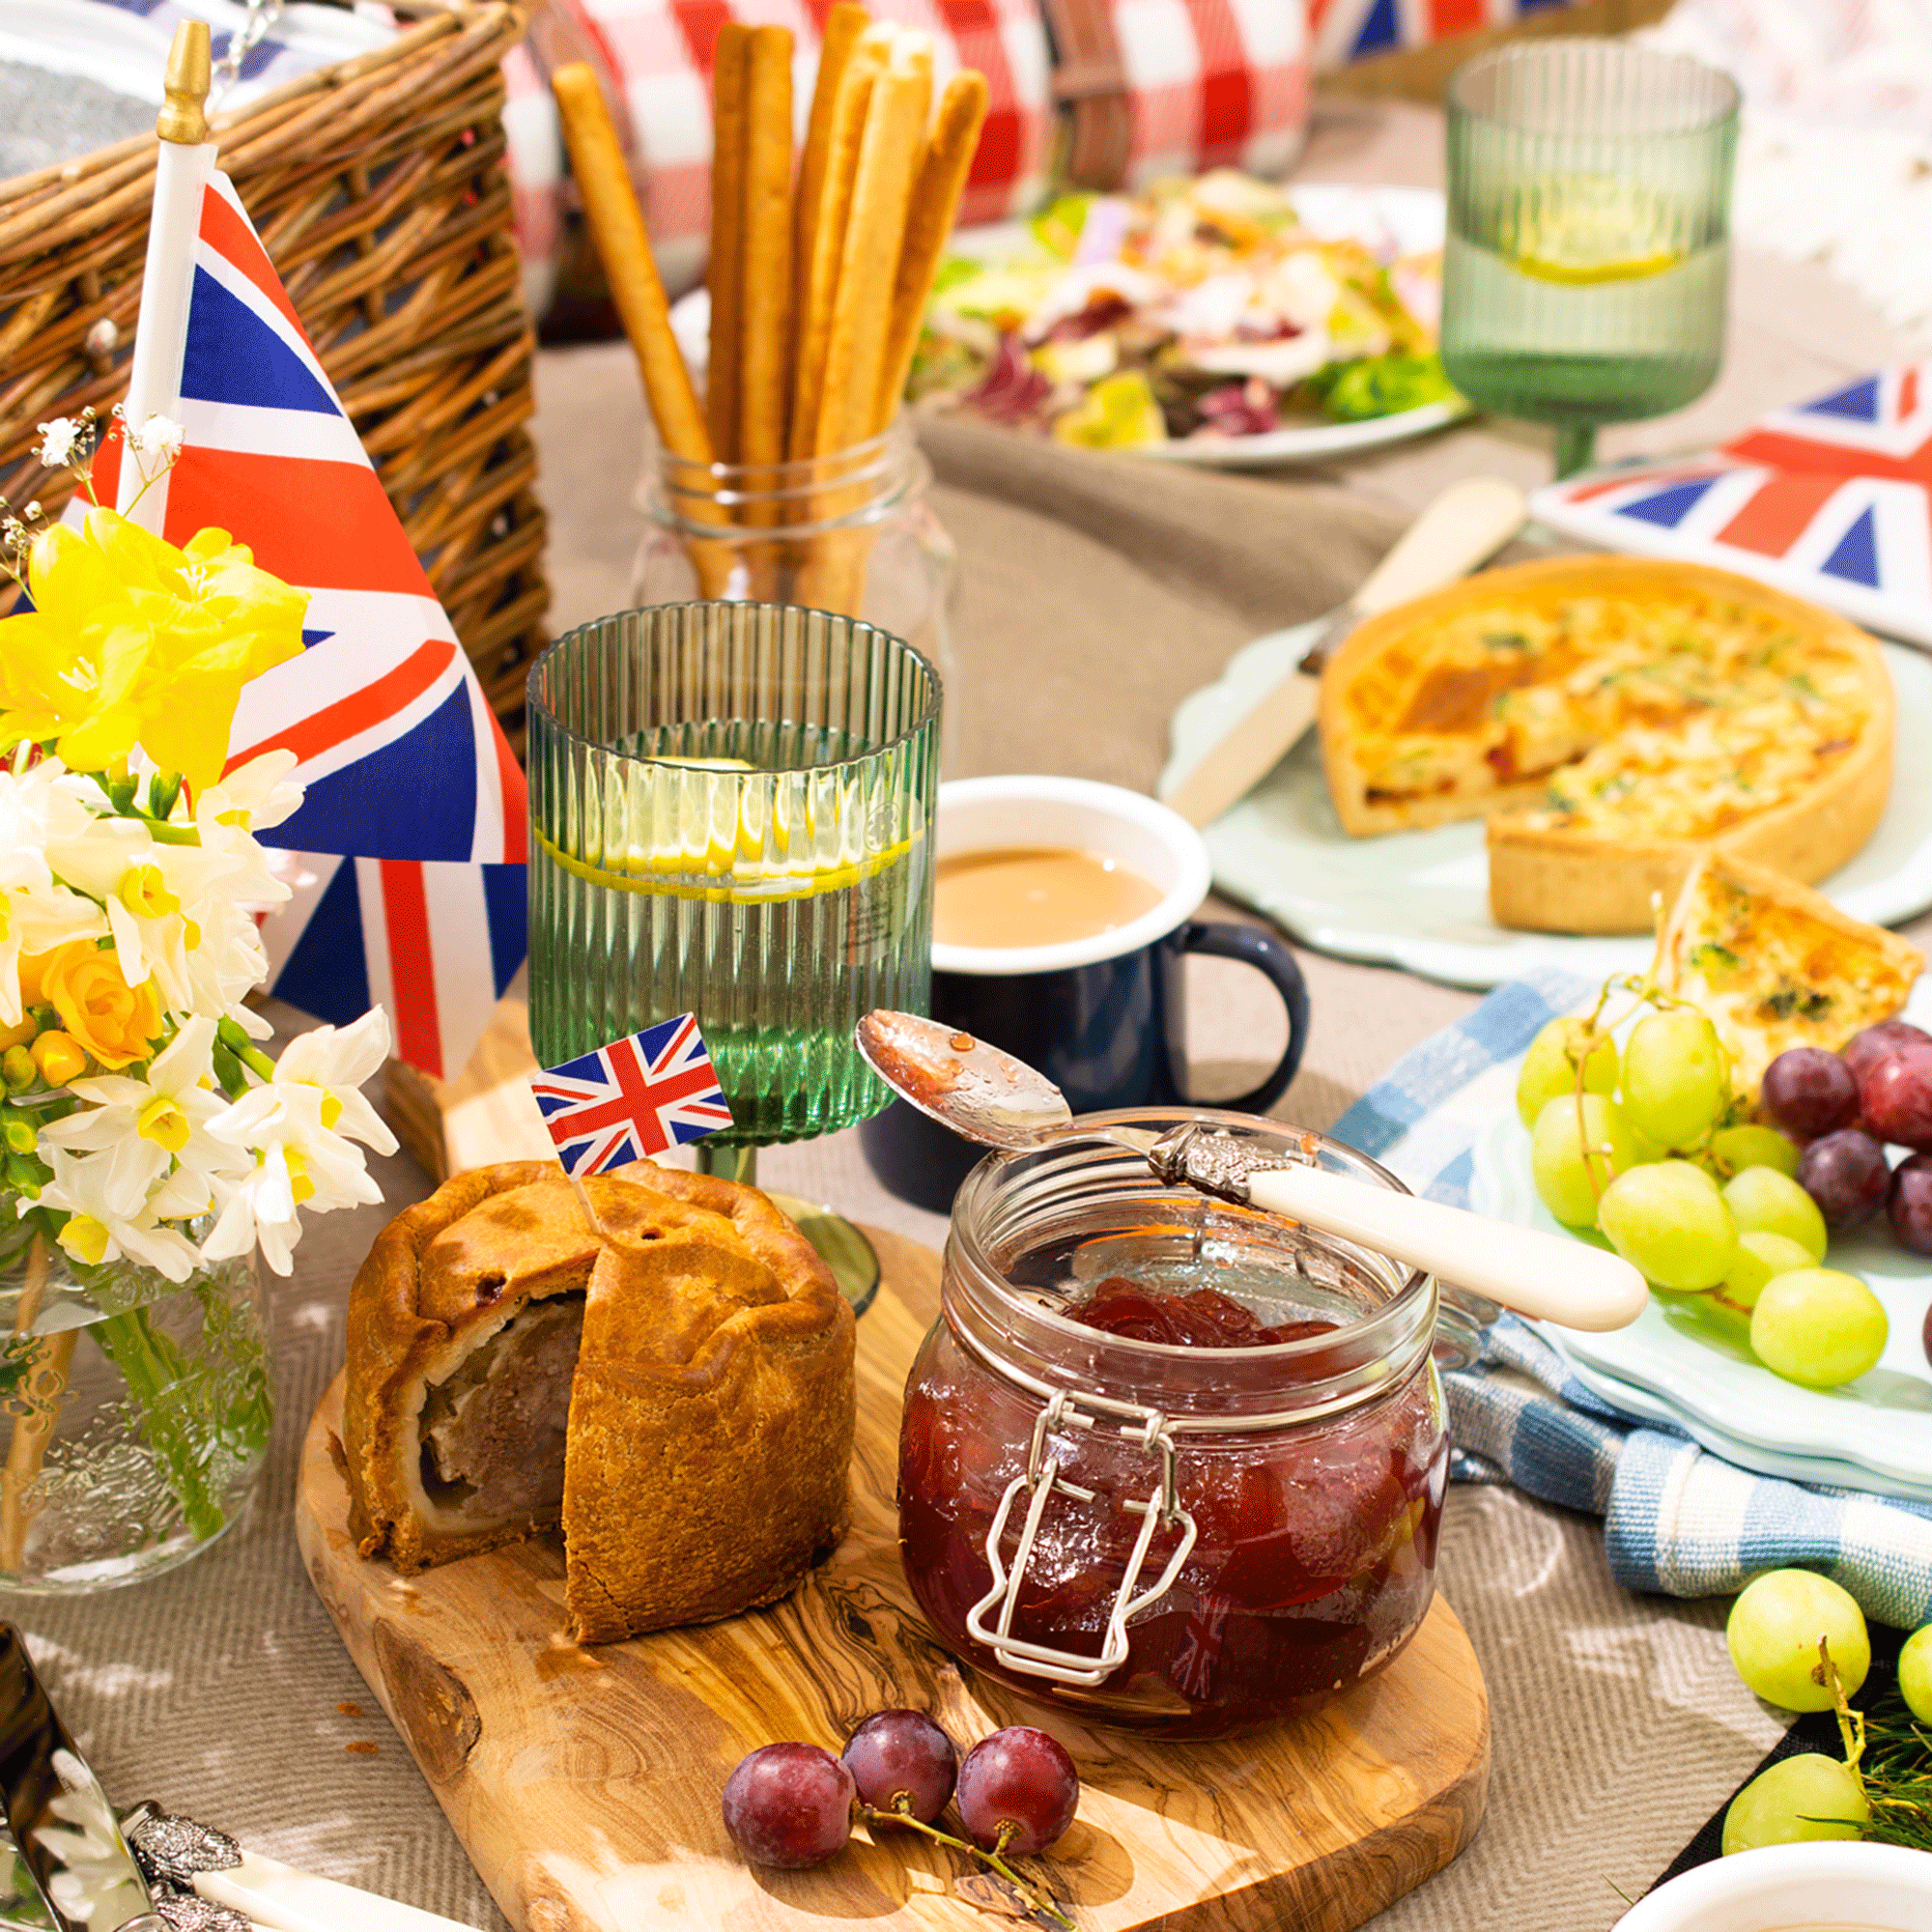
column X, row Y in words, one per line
column 631, row 1100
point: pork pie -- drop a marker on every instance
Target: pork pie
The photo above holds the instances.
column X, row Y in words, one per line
column 677, row 1394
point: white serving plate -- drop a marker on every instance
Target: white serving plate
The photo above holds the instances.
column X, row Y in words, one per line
column 1420, row 899
column 1881, row 1422
column 1649, row 1406
column 1391, row 220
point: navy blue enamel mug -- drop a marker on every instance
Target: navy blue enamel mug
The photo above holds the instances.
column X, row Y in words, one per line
column 1104, row 1016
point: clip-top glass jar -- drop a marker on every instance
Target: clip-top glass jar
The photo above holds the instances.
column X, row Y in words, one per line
column 1190, row 1542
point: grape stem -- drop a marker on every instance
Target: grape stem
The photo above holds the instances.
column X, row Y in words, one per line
column 1851, row 1723
column 1036, row 1899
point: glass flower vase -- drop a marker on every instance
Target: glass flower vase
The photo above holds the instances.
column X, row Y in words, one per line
column 136, row 1412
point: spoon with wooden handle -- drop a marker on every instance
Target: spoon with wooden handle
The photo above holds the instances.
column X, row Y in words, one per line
column 1467, row 522
column 989, row 1096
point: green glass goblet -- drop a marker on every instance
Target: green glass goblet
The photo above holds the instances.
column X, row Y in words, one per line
column 1585, row 269
column 730, row 816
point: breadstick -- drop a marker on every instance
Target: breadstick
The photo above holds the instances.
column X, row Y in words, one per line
column 764, row 279
column 843, row 25
column 729, row 77
column 828, row 244
column 855, row 354
column 935, row 203
column 617, row 227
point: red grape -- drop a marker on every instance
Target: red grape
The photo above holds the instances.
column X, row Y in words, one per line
column 1846, row 1175
column 1927, row 1336
column 902, row 1753
column 1866, row 1050
column 1896, row 1097
column 1809, row 1091
column 1019, row 1785
column 1911, row 1203
column 789, row 1806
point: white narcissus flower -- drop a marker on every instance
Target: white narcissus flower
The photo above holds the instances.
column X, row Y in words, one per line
column 131, row 1122
column 36, row 913
column 114, row 860
column 251, row 798
column 104, row 1222
column 337, row 1060
column 298, row 1163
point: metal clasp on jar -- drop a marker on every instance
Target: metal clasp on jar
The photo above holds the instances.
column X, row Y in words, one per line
column 1042, row 1477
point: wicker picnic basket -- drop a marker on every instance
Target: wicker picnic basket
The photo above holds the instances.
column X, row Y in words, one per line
column 379, row 191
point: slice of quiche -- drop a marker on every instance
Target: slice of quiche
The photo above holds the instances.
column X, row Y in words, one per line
column 1776, row 965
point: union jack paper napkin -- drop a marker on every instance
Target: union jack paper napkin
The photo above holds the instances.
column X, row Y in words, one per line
column 1831, row 500
column 638, row 1097
column 406, row 856
column 1677, row 1519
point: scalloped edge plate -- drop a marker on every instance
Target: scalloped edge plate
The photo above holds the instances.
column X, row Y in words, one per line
column 1649, row 1406
column 1420, row 899
column 1881, row 1422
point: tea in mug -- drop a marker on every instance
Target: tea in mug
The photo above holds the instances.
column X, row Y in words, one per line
column 1035, row 895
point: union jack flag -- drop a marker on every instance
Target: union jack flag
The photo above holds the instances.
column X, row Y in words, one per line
column 631, row 1100
column 1831, row 500
column 1351, row 29
column 413, row 829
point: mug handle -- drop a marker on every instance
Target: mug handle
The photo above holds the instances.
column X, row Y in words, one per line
column 1253, row 947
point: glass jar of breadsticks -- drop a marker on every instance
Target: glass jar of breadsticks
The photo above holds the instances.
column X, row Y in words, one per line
column 795, row 480
column 849, row 532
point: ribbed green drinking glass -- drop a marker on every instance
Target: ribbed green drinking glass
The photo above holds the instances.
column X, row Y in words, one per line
column 730, row 814
column 1585, row 270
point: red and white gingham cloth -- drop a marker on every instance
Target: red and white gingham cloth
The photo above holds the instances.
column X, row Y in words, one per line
column 660, row 50
column 1210, row 83
column 1213, row 83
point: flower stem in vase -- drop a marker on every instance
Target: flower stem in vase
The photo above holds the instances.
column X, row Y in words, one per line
column 156, row 1375
column 42, row 1384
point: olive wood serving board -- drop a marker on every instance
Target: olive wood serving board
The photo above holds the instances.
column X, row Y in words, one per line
column 584, row 1782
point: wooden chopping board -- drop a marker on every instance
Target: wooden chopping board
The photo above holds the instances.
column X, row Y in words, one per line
column 584, row 1782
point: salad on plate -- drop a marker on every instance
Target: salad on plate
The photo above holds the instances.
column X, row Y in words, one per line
column 1202, row 309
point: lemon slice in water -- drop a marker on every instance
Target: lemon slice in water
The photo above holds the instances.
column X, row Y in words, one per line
column 1594, row 228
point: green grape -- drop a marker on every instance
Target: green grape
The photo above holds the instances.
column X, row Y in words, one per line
column 1759, row 1257
column 1765, row 1201
column 1774, row 1632
column 1914, row 1674
column 1550, row 1066
column 1735, row 1149
column 1669, row 1220
column 1557, row 1160
column 1809, row 1796
column 1676, row 1078
column 1818, row 1327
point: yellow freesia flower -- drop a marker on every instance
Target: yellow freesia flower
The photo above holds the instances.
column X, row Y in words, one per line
column 134, row 641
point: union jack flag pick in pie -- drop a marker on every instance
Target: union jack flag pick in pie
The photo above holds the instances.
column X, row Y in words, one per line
column 632, row 1098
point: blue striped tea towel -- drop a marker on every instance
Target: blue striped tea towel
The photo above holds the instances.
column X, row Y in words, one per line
column 1677, row 1519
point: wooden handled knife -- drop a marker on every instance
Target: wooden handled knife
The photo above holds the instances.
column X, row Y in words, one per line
column 1465, row 525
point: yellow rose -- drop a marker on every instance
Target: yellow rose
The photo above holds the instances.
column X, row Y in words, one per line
column 117, row 1023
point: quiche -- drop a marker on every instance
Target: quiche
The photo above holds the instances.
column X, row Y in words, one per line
column 1610, row 717
column 1776, row 965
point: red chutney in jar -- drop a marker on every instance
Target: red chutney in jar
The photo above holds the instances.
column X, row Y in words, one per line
column 1315, row 1555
